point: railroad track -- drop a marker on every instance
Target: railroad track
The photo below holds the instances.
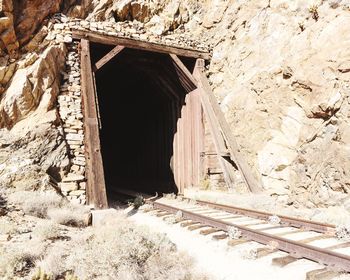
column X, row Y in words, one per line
column 299, row 238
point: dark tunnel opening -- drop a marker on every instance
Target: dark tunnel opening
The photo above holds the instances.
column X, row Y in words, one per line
column 137, row 93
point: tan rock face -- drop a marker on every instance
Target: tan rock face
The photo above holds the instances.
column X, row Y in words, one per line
column 29, row 85
column 30, row 14
column 20, row 19
column 7, row 32
column 285, row 90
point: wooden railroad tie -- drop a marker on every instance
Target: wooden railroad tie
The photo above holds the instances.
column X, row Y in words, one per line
column 283, row 261
column 209, row 231
column 321, row 274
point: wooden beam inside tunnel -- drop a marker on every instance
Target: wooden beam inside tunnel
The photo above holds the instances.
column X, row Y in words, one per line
column 99, row 64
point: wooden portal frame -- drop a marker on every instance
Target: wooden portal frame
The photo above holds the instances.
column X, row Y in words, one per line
column 96, row 189
column 140, row 45
column 196, row 84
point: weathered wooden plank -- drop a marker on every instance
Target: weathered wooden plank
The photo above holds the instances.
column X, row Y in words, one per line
column 174, row 159
column 188, row 141
column 137, row 44
column 219, row 142
column 184, row 71
column 181, row 148
column 252, row 183
column 218, row 139
column 94, row 166
column 99, row 64
column 195, row 124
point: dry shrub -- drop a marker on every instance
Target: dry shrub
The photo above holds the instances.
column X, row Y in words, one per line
column 342, row 232
column 274, row 220
column 53, row 264
column 17, row 260
column 70, row 215
column 249, row 254
column 46, row 230
column 174, row 266
column 51, row 205
column 35, row 203
column 119, row 250
column 234, row 233
column 7, row 227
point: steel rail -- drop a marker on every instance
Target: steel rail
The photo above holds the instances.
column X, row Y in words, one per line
column 300, row 250
column 285, row 220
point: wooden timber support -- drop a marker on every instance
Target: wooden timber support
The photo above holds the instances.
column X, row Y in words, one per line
column 218, row 139
column 235, row 154
column 99, row 64
column 136, row 44
column 220, row 130
column 96, row 190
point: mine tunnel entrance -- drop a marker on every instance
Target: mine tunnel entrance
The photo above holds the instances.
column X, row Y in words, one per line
column 144, row 109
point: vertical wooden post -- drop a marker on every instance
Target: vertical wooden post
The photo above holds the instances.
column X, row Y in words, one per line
column 96, row 189
column 181, row 148
column 197, row 137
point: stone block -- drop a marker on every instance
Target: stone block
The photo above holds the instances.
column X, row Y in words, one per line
column 77, row 193
column 73, row 178
column 82, row 186
column 68, row 187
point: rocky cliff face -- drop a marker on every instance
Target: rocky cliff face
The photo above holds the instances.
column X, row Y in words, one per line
column 280, row 69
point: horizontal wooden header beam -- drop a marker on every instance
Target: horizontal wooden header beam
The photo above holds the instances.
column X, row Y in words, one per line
column 136, row 44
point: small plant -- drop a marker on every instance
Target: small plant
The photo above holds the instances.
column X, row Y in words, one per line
column 7, row 227
column 71, row 215
column 18, row 261
column 205, row 184
column 250, row 254
column 274, row 220
column 170, row 220
column 46, row 230
column 234, row 233
column 301, row 26
column 170, row 196
column 313, row 10
column 35, row 203
column 41, row 275
column 272, row 245
column 147, row 207
column 138, row 202
column 179, row 215
column 342, row 232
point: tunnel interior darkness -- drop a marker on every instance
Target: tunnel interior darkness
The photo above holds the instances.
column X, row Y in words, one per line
column 138, row 92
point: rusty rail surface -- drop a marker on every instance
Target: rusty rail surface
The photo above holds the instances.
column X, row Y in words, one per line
column 296, row 249
column 285, row 220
